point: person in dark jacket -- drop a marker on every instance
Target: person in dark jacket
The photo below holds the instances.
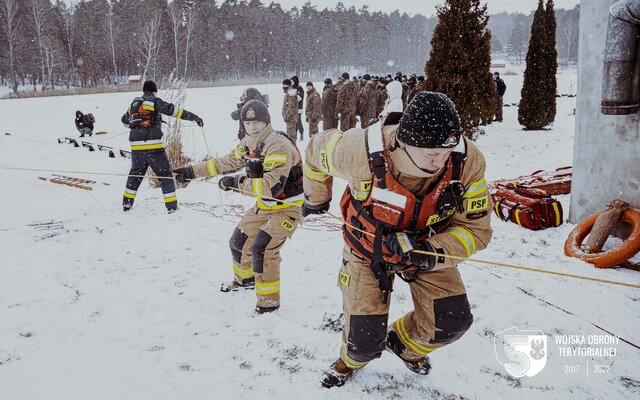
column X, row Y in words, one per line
column 296, row 85
column 147, row 150
column 247, row 95
column 84, row 123
column 501, row 87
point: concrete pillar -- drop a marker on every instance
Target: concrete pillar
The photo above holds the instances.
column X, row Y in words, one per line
column 606, row 149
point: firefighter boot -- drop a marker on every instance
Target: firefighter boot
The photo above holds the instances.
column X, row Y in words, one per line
column 337, row 374
column 233, row 286
column 127, row 204
column 265, row 310
column 421, row 366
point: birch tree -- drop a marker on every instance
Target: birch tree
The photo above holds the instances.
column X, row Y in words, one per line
column 11, row 25
column 150, row 42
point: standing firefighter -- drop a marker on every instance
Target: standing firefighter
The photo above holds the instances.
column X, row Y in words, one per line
column 273, row 169
column 147, row 149
column 313, row 111
column 413, row 184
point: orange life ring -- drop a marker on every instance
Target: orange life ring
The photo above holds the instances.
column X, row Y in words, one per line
column 609, row 258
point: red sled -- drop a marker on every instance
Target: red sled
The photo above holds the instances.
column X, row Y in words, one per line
column 551, row 182
column 530, row 208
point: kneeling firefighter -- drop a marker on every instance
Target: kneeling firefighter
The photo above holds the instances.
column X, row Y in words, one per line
column 273, row 169
column 413, row 184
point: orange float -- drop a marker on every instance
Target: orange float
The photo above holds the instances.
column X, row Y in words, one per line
column 609, row 258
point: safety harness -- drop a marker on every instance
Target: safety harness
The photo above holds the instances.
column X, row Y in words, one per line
column 390, row 207
column 255, row 165
column 142, row 113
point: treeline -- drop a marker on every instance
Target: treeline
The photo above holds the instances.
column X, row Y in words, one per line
column 104, row 41
column 97, row 42
column 511, row 33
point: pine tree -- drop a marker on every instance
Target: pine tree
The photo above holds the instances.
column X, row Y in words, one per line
column 531, row 111
column 551, row 64
column 460, row 60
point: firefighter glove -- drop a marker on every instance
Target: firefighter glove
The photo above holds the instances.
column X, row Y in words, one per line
column 404, row 244
column 227, row 183
column 184, row 174
column 308, row 209
column 198, row 121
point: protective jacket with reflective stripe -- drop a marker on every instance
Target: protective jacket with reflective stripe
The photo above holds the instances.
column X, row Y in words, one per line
column 390, row 207
column 279, row 163
column 333, row 154
column 153, row 134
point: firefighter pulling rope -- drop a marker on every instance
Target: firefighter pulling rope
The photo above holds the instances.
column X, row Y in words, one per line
column 488, row 262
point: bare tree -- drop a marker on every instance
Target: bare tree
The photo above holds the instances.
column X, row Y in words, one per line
column 38, row 10
column 68, row 37
column 175, row 13
column 150, row 42
column 110, row 33
column 189, row 25
column 51, row 60
column 11, row 26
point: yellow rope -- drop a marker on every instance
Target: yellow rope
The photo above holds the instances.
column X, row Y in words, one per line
column 468, row 258
column 499, row 264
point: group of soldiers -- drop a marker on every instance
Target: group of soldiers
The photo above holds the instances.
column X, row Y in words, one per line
column 343, row 102
column 416, row 195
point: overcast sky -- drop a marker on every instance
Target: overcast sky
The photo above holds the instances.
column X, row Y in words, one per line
column 427, row 7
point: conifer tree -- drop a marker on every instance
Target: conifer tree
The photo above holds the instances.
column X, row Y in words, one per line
column 532, row 109
column 551, row 64
column 460, row 60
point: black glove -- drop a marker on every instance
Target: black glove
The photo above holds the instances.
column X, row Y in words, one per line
column 403, row 244
column 227, row 183
column 198, row 121
column 308, row 209
column 450, row 199
column 184, row 174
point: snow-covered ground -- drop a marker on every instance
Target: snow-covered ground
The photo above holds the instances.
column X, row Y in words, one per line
column 106, row 305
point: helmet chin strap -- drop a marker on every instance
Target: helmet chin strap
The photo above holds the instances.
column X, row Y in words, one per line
column 402, row 146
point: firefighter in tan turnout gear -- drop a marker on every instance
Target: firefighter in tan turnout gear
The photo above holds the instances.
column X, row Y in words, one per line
column 413, row 184
column 273, row 169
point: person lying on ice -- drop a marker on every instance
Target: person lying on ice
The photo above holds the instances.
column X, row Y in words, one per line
column 273, row 170
column 413, row 184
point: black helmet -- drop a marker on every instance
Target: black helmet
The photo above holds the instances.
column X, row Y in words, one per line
column 150, row 86
column 255, row 110
column 430, row 121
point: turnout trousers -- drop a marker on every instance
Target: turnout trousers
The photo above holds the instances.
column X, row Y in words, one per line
column 441, row 313
column 255, row 249
column 157, row 159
